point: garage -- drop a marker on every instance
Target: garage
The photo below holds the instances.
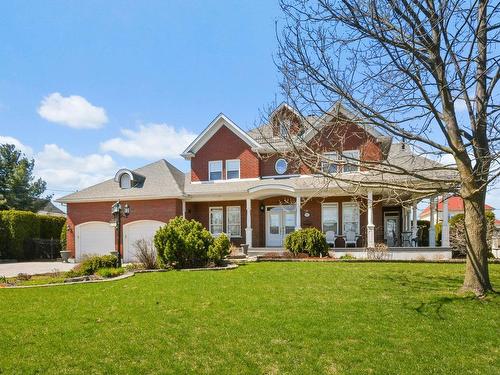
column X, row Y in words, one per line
column 94, row 238
column 134, row 231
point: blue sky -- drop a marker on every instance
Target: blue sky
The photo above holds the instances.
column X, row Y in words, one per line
column 87, row 87
column 134, row 69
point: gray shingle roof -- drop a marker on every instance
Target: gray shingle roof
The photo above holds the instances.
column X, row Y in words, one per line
column 161, row 180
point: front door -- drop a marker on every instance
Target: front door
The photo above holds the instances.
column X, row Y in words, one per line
column 391, row 228
column 280, row 221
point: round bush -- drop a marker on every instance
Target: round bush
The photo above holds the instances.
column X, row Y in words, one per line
column 183, row 243
column 219, row 249
column 309, row 240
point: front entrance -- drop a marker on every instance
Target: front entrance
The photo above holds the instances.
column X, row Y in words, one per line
column 280, row 221
column 391, row 228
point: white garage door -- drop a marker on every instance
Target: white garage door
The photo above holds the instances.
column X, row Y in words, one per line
column 94, row 238
column 137, row 230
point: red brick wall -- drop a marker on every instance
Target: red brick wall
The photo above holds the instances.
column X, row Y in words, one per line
column 199, row 211
column 159, row 209
column 224, row 145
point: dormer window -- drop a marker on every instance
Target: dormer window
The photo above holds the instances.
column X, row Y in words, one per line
column 125, row 181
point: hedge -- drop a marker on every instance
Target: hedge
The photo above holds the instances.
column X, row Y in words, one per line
column 17, row 227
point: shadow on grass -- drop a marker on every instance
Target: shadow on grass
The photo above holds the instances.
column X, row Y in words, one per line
column 435, row 306
column 424, row 281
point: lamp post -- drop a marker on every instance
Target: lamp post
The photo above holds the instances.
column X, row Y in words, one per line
column 118, row 212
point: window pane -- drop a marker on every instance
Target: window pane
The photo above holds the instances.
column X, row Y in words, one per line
column 215, row 176
column 352, row 161
column 234, row 221
column 330, row 218
column 215, row 170
column 233, row 174
column 216, row 220
column 351, row 218
column 125, row 182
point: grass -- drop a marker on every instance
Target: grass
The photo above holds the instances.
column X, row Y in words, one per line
column 298, row 318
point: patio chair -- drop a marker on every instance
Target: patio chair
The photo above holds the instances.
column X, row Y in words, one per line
column 351, row 238
column 330, row 238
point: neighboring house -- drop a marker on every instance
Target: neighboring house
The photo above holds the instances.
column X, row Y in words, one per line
column 455, row 206
column 496, row 239
column 51, row 210
column 237, row 184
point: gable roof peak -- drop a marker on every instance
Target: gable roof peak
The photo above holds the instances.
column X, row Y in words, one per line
column 220, row 120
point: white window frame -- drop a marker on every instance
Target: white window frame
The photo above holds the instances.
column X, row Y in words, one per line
column 334, row 157
column 210, row 224
column 354, row 162
column 228, row 224
column 330, row 204
column 239, row 169
column 344, row 204
column 210, row 171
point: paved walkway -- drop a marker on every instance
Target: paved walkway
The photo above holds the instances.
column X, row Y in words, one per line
column 33, row 268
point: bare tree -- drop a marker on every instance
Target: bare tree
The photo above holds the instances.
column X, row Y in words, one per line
column 420, row 71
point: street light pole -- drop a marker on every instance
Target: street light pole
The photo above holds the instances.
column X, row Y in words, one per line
column 118, row 212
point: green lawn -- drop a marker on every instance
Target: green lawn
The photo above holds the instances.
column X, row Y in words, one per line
column 300, row 318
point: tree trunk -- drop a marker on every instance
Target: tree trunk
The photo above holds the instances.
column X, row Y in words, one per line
column 477, row 279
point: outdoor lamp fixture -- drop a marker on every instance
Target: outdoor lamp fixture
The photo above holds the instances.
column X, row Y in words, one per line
column 118, row 212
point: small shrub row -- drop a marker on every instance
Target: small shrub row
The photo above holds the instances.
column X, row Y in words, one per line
column 110, row 272
column 92, row 264
column 185, row 243
column 309, row 240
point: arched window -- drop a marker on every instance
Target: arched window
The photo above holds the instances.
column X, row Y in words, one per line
column 125, row 181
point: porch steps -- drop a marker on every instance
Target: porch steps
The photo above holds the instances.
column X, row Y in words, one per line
column 255, row 251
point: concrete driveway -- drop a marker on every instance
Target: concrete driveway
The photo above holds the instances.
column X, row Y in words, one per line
column 33, row 268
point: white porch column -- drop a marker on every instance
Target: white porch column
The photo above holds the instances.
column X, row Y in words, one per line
column 183, row 208
column 445, row 229
column 414, row 228
column 248, row 229
column 297, row 213
column 370, row 228
column 432, row 228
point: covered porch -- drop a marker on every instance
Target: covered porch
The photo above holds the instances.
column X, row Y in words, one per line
column 266, row 214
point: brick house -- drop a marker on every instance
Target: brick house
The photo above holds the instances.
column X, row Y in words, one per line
column 238, row 184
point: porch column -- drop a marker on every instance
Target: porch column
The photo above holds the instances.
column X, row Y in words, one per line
column 445, row 229
column 183, row 208
column 370, row 228
column 248, row 229
column 297, row 213
column 414, row 228
column 432, row 228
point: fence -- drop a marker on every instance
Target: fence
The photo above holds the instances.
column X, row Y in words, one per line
column 38, row 248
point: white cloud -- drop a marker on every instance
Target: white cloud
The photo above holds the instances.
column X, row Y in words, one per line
column 151, row 141
column 73, row 111
column 61, row 170
column 28, row 151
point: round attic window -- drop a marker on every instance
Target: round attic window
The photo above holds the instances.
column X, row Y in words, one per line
column 281, row 166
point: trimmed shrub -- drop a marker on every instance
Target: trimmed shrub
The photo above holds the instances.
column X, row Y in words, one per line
column 17, row 227
column 110, row 272
column 90, row 265
column 183, row 243
column 219, row 249
column 309, row 240
column 50, row 226
column 62, row 236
